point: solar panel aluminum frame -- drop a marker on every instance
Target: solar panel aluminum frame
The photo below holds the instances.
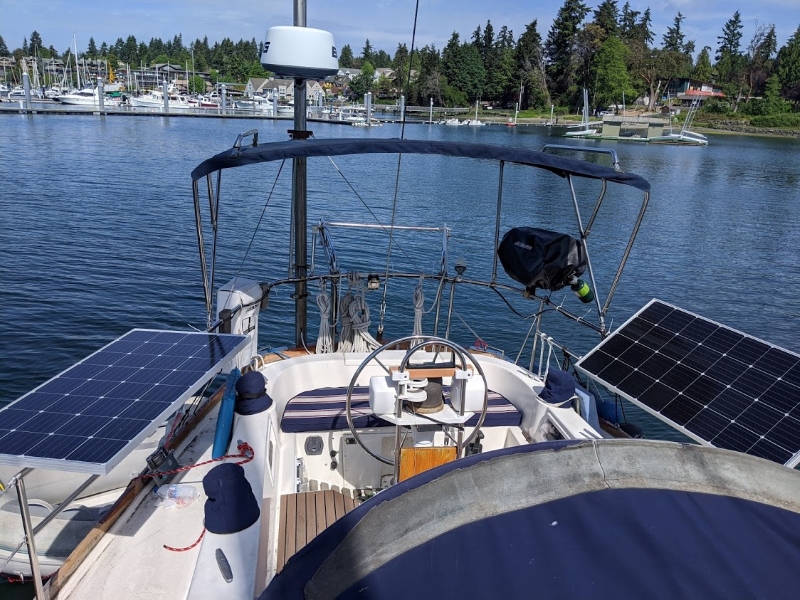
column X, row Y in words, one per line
column 792, row 462
column 98, row 468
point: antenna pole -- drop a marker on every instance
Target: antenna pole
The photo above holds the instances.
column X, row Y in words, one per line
column 299, row 198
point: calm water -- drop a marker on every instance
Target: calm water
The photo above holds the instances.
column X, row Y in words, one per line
column 97, row 231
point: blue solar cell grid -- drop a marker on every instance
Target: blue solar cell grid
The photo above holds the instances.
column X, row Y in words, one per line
column 84, row 418
column 714, row 383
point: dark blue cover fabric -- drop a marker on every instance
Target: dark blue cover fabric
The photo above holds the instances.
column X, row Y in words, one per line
column 324, row 410
column 563, row 166
column 620, row 543
column 615, row 544
column 289, row 583
column 251, row 394
column 559, row 388
column 230, row 504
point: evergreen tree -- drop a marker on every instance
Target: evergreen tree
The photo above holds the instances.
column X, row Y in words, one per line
column 607, row 17
column 35, row 44
column 91, row 49
column 628, row 22
column 25, row 50
column 463, row 69
column 560, row 49
column 673, row 40
column 505, row 76
column 103, row 49
column 731, row 38
column 381, row 60
column 490, row 56
column 644, row 30
column 366, row 53
column 401, row 67
column 429, row 83
column 346, row 57
column 531, row 65
column 702, row 68
column 788, row 68
column 731, row 63
column 3, row 48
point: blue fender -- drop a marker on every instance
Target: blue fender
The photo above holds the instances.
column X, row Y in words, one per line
column 222, row 437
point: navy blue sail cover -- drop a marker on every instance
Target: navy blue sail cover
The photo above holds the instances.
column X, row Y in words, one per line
column 238, row 157
column 614, row 543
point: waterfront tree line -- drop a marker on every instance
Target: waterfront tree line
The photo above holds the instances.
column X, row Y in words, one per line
column 610, row 51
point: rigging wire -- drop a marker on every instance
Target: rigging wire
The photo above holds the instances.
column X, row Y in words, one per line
column 397, row 178
column 261, row 218
column 369, row 210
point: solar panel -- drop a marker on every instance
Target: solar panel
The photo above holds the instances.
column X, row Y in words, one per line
column 88, row 418
column 717, row 385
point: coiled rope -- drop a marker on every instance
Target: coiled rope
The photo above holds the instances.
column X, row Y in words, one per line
column 419, row 307
column 325, row 338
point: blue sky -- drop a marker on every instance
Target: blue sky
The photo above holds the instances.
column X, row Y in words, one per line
column 384, row 22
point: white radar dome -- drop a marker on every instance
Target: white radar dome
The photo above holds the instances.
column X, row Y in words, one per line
column 300, row 52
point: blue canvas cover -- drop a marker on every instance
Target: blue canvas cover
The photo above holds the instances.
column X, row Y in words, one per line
column 612, row 543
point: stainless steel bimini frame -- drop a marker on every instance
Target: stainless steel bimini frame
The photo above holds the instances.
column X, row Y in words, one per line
column 567, row 168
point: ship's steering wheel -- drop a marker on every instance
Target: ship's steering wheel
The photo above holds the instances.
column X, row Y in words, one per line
column 417, row 342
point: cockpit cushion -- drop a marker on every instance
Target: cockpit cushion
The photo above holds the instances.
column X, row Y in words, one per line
column 324, row 410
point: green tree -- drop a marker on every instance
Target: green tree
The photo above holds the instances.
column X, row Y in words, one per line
column 103, row 49
column 627, row 22
column 652, row 67
column 612, row 73
column 774, row 104
column 506, row 76
column 430, row 81
column 731, row 38
column 91, row 50
column 381, row 60
column 702, row 68
column 674, row 39
column 731, row 64
column 606, row 17
column 531, row 65
column 560, row 50
column 363, row 82
column 760, row 58
column 463, row 68
column 788, row 68
column 366, row 53
column 25, row 49
column 35, row 44
column 401, row 66
column 3, row 48
column 197, row 85
column 346, row 57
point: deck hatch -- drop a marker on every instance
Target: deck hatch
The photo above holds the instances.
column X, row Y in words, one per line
column 89, row 417
column 717, row 385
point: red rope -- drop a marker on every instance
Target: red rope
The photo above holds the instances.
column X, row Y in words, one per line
column 171, row 549
column 245, row 452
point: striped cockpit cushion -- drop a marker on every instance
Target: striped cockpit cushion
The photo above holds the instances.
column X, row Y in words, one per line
column 324, row 410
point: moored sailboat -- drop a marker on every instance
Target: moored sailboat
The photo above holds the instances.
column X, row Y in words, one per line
column 335, row 439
